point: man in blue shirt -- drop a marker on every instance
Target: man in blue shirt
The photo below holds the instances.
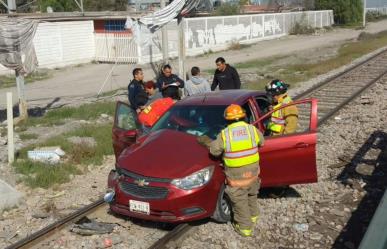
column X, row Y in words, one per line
column 136, row 91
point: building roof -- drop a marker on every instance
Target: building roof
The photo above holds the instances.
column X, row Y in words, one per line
column 77, row 16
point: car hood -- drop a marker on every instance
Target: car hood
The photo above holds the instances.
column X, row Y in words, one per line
column 165, row 154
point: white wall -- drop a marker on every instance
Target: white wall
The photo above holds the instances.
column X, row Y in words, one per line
column 59, row 44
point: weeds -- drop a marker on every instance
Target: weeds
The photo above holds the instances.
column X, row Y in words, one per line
column 10, row 80
column 38, row 174
column 58, row 116
column 301, row 28
column 299, row 72
column 28, row 136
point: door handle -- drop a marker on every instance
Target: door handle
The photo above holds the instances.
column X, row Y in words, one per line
column 301, row 145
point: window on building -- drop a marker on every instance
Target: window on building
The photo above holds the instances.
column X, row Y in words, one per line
column 115, row 25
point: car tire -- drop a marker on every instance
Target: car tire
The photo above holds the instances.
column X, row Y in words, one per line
column 223, row 210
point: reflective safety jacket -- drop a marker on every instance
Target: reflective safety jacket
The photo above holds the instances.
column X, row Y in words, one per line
column 278, row 122
column 240, row 142
column 154, row 111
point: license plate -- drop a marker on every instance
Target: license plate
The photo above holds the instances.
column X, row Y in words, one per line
column 139, row 207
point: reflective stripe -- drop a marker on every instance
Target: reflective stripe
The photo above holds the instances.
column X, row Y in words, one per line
column 227, row 137
column 242, row 153
column 279, row 121
column 252, row 134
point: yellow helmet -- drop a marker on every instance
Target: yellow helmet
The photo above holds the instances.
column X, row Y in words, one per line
column 234, row 112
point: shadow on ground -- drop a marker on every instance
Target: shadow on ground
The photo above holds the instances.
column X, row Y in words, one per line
column 375, row 185
column 32, row 112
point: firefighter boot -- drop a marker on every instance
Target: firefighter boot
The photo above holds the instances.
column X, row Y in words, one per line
column 242, row 232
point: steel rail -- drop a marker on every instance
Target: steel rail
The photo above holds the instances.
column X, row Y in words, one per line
column 178, row 232
column 336, row 76
column 41, row 233
column 352, row 97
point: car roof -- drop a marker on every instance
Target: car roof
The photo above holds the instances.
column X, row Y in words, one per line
column 224, row 97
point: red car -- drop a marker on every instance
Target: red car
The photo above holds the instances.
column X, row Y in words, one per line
column 166, row 175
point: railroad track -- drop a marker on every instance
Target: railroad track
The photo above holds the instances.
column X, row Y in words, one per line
column 337, row 91
column 333, row 94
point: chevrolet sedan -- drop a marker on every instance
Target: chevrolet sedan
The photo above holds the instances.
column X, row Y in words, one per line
column 166, row 175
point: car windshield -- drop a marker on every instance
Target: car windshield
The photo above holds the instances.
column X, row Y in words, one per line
column 195, row 120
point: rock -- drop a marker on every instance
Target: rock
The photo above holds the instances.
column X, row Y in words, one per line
column 83, row 141
column 365, row 169
column 337, row 212
column 40, row 215
column 9, row 197
column 316, row 236
column 103, row 115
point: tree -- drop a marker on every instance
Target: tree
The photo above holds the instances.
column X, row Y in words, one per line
column 57, row 5
column 344, row 11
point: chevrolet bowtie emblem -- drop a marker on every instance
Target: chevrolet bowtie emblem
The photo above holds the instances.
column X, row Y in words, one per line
column 141, row 182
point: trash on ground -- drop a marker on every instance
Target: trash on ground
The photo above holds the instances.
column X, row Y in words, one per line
column 86, row 227
column 49, row 155
column 301, row 227
column 338, row 118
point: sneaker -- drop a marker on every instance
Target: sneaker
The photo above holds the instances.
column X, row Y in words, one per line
column 242, row 232
column 254, row 219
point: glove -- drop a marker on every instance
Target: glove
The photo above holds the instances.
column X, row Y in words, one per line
column 204, row 140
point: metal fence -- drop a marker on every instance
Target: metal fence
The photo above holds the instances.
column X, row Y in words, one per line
column 381, row 10
column 206, row 34
column 116, row 47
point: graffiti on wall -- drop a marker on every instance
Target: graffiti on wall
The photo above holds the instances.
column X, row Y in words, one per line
column 224, row 33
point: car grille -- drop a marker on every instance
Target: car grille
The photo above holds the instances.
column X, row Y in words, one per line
column 135, row 176
column 144, row 192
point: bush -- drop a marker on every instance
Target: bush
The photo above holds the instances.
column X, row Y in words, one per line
column 302, row 29
column 227, row 9
column 374, row 15
column 344, row 11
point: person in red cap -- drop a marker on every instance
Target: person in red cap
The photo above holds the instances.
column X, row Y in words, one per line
column 152, row 91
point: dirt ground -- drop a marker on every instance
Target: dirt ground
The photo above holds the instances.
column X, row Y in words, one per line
column 86, row 80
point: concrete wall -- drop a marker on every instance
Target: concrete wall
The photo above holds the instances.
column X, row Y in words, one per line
column 204, row 34
column 59, row 44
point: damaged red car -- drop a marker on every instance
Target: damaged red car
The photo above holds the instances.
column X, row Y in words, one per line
column 166, row 175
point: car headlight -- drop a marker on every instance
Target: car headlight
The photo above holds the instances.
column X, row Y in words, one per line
column 194, row 180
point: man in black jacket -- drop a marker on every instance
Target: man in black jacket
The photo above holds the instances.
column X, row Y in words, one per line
column 169, row 83
column 225, row 76
column 136, row 91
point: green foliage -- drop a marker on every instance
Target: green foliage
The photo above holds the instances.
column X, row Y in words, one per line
column 373, row 16
column 227, row 9
column 58, row 5
column 345, row 11
column 85, row 112
column 28, row 136
column 302, row 29
column 38, row 174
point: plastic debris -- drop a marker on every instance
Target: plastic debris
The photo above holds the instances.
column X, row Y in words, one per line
column 49, row 155
column 338, row 118
column 301, row 227
column 86, row 227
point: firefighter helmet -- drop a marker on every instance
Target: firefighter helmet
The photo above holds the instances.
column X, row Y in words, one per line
column 276, row 87
column 234, row 112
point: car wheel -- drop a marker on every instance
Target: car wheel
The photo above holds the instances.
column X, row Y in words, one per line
column 223, row 208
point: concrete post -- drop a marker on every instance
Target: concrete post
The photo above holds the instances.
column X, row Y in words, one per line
column 182, row 49
column 22, row 100
column 11, row 153
column 11, row 6
column 364, row 12
column 164, row 35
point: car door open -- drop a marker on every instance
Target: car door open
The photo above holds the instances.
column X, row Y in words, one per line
column 125, row 128
column 291, row 158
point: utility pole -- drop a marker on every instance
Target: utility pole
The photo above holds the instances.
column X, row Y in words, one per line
column 19, row 78
column 164, row 35
column 182, row 49
column 364, row 12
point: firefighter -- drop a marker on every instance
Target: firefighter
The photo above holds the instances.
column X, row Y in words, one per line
column 283, row 121
column 239, row 142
